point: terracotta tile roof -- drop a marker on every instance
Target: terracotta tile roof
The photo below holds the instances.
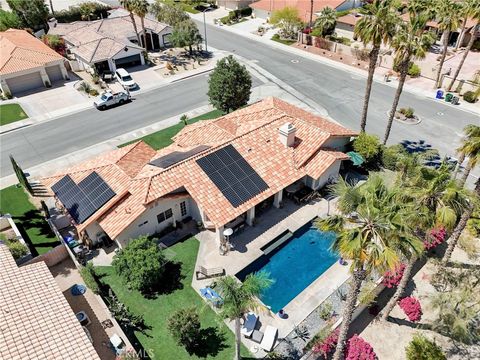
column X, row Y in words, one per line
column 19, row 50
column 36, row 321
column 101, row 39
column 349, row 19
column 253, row 131
column 303, row 6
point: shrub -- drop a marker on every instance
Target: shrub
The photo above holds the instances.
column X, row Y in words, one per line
column 326, row 346
column 322, row 43
column 318, row 338
column 392, row 278
column 367, row 294
column 368, row 146
column 412, row 308
column 391, row 155
column 140, row 264
column 326, row 311
column 76, row 13
column 122, row 313
column 184, row 325
column 88, row 274
column 408, row 112
column 420, row 348
column 84, row 86
column 414, row 70
column 93, row 92
column 17, row 249
column 359, row 349
column 470, row 97
column 435, row 237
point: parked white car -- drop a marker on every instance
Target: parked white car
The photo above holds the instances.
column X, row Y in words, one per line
column 125, row 79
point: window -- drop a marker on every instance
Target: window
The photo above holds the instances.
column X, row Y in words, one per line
column 161, row 217
column 183, row 208
column 167, row 214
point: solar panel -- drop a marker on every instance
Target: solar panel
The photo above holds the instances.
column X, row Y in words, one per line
column 84, row 199
column 232, row 175
column 177, row 156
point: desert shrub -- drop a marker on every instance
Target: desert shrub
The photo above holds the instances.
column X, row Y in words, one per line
column 93, row 92
column 435, row 237
column 391, row 156
column 184, row 325
column 17, row 249
column 420, row 348
column 360, row 54
column 326, row 311
column 411, row 307
column 84, row 86
column 408, row 112
column 359, row 349
column 369, row 147
column 318, row 338
column 367, row 294
column 469, row 244
column 392, row 278
column 88, row 274
column 470, row 97
column 414, row 70
column 322, row 43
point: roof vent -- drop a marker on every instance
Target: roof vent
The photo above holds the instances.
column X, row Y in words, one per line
column 286, row 134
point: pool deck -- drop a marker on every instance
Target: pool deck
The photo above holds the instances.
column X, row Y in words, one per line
column 247, row 247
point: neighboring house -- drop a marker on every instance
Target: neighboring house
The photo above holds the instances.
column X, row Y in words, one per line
column 347, row 22
column 36, row 320
column 234, row 4
column 106, row 44
column 264, row 8
column 215, row 172
column 26, row 63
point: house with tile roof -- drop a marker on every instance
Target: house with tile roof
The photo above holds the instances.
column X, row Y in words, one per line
column 36, row 321
column 107, row 44
column 26, row 63
column 215, row 172
column 263, row 9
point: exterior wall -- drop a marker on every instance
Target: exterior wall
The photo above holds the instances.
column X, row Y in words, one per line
column 337, row 143
column 51, row 258
column 162, row 36
column 234, row 4
column 122, row 54
column 330, row 174
column 147, row 223
column 262, row 14
column 94, row 231
column 194, row 210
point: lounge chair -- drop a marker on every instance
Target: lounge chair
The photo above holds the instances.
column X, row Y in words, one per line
column 269, row 338
column 249, row 324
column 211, row 295
column 208, row 273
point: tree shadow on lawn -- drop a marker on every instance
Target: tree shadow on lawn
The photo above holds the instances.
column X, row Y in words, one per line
column 170, row 282
column 211, row 341
column 33, row 219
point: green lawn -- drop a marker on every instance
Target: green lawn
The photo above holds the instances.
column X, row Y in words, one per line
column 163, row 138
column 186, row 7
column 277, row 38
column 10, row 113
column 14, row 200
column 220, row 340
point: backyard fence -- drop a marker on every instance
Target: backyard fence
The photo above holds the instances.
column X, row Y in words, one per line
column 51, row 258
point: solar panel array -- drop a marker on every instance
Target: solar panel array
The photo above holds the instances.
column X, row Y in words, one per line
column 232, row 175
column 84, row 199
column 177, row 156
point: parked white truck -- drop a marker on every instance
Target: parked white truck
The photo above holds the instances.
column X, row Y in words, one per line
column 112, row 97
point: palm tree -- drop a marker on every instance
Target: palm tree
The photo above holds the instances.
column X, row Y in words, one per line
column 368, row 239
column 472, row 9
column 470, row 149
column 239, row 298
column 410, row 42
column 130, row 6
column 452, row 242
column 141, row 10
column 375, row 27
column 467, row 10
column 448, row 16
column 435, row 200
column 326, row 21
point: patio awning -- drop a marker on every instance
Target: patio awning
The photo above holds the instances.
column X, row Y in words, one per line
column 356, row 158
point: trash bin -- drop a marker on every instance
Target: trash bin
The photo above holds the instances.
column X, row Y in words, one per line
column 455, row 100
column 448, row 97
column 439, row 94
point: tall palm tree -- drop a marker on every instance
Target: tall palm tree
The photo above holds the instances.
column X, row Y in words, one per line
column 470, row 149
column 375, row 27
column 130, row 6
column 368, row 239
column 448, row 17
column 410, row 42
column 467, row 10
column 141, row 10
column 239, row 298
column 473, row 11
column 326, row 21
column 435, row 200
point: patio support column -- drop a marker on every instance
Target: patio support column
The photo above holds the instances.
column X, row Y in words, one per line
column 151, row 40
column 45, row 77
column 219, row 234
column 277, row 199
column 250, row 216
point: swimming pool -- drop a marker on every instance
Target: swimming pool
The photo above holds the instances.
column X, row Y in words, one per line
column 294, row 265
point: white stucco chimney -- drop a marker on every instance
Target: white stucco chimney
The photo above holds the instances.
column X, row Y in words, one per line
column 286, row 134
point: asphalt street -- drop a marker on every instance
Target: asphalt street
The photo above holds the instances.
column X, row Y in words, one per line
column 338, row 91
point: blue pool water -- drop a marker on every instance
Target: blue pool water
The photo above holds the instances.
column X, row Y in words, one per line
column 294, row 265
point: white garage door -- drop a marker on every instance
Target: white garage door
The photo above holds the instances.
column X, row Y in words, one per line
column 25, row 82
column 54, row 73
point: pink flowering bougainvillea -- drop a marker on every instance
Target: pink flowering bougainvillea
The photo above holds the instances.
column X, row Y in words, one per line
column 359, row 349
column 326, row 346
column 392, row 278
column 435, row 237
column 412, row 308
